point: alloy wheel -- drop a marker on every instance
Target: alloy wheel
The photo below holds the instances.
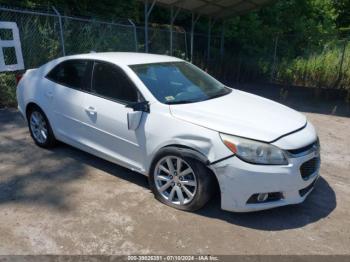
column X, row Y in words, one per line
column 175, row 180
column 39, row 127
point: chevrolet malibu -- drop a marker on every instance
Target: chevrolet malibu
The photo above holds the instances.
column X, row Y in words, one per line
column 169, row 120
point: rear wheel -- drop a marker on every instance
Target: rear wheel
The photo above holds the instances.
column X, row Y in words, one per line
column 40, row 128
column 182, row 183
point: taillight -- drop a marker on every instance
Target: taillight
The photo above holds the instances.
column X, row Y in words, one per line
column 18, row 78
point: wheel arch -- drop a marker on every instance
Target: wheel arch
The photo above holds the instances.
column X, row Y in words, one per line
column 33, row 104
column 189, row 152
column 30, row 106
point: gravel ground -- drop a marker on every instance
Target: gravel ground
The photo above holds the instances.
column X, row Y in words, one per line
column 65, row 201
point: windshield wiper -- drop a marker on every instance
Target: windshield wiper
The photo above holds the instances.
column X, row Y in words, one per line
column 182, row 102
column 222, row 93
column 226, row 91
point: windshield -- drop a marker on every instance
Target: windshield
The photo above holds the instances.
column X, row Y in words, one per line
column 179, row 82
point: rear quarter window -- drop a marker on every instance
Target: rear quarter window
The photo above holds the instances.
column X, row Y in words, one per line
column 72, row 73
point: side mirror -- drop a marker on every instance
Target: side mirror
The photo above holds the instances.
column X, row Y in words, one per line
column 134, row 119
column 139, row 106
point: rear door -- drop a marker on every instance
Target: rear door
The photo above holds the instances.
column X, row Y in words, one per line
column 71, row 80
column 105, row 116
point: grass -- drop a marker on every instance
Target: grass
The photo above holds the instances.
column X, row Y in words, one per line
column 322, row 70
column 7, row 90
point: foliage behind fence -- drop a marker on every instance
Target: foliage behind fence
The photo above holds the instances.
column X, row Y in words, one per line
column 322, row 63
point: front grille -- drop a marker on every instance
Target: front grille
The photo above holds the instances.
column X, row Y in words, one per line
column 309, row 167
column 304, row 191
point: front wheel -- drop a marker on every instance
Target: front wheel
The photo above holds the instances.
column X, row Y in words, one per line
column 182, row 183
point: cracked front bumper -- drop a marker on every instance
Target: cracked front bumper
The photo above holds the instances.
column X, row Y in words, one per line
column 239, row 180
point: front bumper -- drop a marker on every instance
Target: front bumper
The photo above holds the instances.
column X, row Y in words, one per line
column 239, row 180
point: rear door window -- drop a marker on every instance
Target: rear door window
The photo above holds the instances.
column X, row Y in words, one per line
column 73, row 73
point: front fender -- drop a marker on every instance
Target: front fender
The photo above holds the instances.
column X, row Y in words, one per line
column 184, row 151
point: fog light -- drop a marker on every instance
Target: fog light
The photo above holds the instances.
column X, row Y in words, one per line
column 262, row 197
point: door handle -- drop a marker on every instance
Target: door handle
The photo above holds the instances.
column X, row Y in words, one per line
column 91, row 110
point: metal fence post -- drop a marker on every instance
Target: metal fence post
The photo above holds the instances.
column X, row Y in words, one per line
column 274, row 59
column 135, row 34
column 148, row 11
column 222, row 41
column 186, row 47
column 342, row 61
column 171, row 29
column 193, row 23
column 211, row 23
column 61, row 30
column 209, row 40
column 172, row 20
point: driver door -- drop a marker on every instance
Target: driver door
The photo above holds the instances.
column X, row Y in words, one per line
column 105, row 116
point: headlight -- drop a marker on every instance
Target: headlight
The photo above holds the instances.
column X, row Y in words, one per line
column 254, row 152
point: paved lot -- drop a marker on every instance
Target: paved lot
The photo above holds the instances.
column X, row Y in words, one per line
column 65, row 201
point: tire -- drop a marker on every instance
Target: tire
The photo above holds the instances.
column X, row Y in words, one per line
column 40, row 128
column 201, row 177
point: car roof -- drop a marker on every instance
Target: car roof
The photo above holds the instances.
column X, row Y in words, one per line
column 126, row 58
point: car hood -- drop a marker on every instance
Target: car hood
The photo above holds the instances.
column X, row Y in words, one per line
column 242, row 114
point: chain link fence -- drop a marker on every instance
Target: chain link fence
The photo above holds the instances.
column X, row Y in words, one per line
column 324, row 62
column 39, row 34
column 83, row 36
column 321, row 61
column 48, row 35
column 45, row 36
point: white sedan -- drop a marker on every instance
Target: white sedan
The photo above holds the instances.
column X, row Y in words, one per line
column 167, row 119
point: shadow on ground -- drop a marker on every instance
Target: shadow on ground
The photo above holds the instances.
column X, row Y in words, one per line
column 48, row 187
column 319, row 204
column 39, row 188
column 27, row 179
column 103, row 165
